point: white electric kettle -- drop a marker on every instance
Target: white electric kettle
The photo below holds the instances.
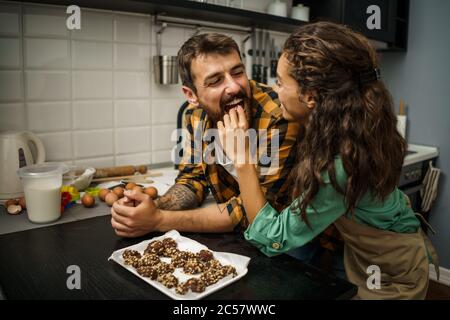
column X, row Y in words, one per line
column 16, row 151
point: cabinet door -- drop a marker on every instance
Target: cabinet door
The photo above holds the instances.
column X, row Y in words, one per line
column 355, row 15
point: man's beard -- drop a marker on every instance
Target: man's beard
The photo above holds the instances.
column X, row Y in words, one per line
column 229, row 102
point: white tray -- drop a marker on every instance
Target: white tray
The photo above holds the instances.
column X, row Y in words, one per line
column 186, row 244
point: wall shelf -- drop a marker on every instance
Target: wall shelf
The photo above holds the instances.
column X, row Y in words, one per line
column 189, row 10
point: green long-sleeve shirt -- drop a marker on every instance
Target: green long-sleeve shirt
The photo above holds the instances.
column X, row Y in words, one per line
column 274, row 233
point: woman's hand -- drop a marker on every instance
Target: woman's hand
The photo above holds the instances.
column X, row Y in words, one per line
column 232, row 135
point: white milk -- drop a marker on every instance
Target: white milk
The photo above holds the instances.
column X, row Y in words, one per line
column 42, row 187
column 43, row 203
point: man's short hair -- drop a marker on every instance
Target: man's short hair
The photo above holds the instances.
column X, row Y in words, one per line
column 198, row 45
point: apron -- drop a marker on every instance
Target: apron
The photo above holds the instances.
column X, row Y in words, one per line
column 402, row 259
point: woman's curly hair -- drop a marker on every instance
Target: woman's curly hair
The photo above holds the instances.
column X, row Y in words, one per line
column 352, row 119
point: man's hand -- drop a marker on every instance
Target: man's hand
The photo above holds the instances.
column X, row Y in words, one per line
column 134, row 215
column 232, row 135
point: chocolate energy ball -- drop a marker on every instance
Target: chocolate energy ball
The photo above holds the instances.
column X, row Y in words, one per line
column 148, row 272
column 155, row 247
column 195, row 284
column 185, row 255
column 178, row 262
column 211, row 276
column 132, row 261
column 149, row 259
column 170, row 252
column 205, row 255
column 193, row 266
column 130, row 253
column 169, row 242
column 213, row 264
column 168, row 280
column 164, row 268
column 181, row 289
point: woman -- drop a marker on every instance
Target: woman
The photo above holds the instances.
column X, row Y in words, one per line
column 349, row 163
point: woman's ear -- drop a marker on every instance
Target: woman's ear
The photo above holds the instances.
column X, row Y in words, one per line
column 310, row 101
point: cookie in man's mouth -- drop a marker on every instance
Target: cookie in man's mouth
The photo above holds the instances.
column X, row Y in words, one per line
column 233, row 104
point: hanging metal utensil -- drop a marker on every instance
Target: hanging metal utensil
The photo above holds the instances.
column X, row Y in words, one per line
column 259, row 55
column 165, row 67
column 273, row 59
column 254, row 65
column 266, row 63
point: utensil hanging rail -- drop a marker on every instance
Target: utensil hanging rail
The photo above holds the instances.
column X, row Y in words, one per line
column 195, row 24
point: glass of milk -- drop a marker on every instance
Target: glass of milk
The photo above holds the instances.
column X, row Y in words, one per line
column 42, row 187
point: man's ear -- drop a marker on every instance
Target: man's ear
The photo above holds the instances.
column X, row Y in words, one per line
column 190, row 96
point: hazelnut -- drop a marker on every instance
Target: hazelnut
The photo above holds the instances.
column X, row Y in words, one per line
column 14, row 209
column 130, row 185
column 10, row 202
column 118, row 191
column 137, row 189
column 111, row 198
column 22, row 203
column 152, row 192
column 102, row 194
column 88, row 200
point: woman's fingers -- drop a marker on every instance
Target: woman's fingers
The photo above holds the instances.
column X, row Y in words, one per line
column 233, row 118
column 226, row 121
column 242, row 119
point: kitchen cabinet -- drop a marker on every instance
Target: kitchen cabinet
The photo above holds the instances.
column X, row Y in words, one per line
column 189, row 10
column 393, row 28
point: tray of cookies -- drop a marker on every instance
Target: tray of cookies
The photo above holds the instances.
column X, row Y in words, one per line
column 181, row 268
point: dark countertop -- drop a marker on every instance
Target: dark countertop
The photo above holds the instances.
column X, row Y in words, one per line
column 34, row 266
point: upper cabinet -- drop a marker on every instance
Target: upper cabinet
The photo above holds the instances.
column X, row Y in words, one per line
column 385, row 21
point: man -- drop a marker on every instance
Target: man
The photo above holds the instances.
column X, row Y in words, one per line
column 214, row 81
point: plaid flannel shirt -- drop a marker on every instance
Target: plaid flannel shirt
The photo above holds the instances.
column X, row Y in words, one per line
column 201, row 177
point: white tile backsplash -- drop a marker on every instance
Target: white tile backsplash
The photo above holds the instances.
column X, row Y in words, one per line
column 161, row 137
column 58, row 145
column 132, row 140
column 11, row 85
column 93, row 143
column 130, row 28
column 92, row 55
column 10, row 53
column 90, row 93
column 162, row 156
column 47, row 53
column 132, row 84
column 12, row 116
column 165, row 111
column 47, row 85
column 131, row 113
column 92, row 84
column 172, row 36
column 93, row 114
column 164, row 91
column 134, row 159
column 95, row 26
column 49, row 116
column 10, row 19
column 132, row 56
column 95, row 162
column 45, row 21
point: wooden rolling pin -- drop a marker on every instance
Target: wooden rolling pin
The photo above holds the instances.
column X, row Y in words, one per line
column 116, row 171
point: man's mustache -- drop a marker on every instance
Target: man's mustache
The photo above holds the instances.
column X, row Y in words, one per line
column 227, row 99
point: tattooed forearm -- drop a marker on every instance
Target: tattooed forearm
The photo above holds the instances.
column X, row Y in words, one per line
column 178, row 197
